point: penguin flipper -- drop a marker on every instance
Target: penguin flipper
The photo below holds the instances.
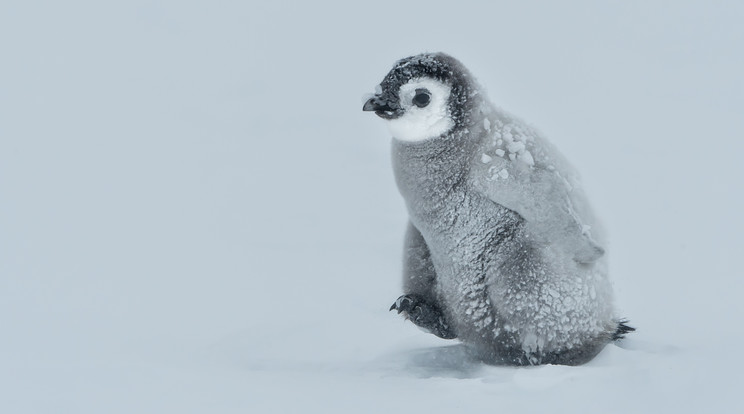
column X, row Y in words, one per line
column 586, row 250
column 424, row 315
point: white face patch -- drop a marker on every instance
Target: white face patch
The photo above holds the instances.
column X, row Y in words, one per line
column 422, row 123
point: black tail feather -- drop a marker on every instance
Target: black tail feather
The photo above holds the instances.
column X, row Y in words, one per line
column 622, row 329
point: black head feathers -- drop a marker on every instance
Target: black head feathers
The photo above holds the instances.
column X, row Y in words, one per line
column 439, row 66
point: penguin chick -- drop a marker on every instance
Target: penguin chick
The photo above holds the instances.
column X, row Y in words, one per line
column 500, row 250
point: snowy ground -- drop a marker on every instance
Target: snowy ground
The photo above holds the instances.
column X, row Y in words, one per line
column 196, row 216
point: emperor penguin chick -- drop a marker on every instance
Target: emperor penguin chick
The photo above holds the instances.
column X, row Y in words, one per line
column 502, row 250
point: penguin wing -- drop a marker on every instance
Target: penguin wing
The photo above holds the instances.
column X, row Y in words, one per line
column 543, row 197
column 518, row 169
column 533, row 193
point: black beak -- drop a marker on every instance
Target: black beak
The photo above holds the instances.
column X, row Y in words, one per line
column 377, row 103
column 382, row 107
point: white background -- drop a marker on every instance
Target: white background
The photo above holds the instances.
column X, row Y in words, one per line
column 196, row 216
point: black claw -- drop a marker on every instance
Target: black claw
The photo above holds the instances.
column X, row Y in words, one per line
column 403, row 304
column 622, row 329
column 424, row 314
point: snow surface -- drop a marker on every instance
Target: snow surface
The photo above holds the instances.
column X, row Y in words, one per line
column 196, row 216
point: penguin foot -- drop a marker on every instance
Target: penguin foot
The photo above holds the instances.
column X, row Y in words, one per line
column 622, row 329
column 424, row 314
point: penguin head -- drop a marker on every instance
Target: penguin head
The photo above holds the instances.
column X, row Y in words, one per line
column 425, row 96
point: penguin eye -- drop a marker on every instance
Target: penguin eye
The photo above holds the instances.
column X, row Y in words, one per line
column 422, row 98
